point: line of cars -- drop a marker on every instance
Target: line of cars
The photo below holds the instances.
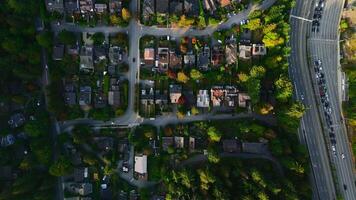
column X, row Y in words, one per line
column 318, row 11
column 324, row 97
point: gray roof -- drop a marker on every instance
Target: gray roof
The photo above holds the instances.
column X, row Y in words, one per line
column 55, row 5
column 162, row 6
column 176, row 7
column 71, row 6
column 175, row 88
column 58, row 52
column 85, row 95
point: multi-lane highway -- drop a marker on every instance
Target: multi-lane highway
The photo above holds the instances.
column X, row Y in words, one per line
column 309, row 45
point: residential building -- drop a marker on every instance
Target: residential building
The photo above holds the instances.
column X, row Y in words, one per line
column 141, row 166
column 55, row 6
column 209, row 5
column 161, row 98
column 58, row 52
column 203, row 99
column 148, row 9
column 176, row 7
column 191, row 144
column 258, row 50
column 163, row 58
column 231, row 52
column 231, row 96
column 175, row 92
column 100, row 53
column 86, row 59
column 217, row 57
column 84, row 95
column 86, row 6
column 115, row 55
column 191, row 8
column 189, row 59
column 254, row 147
column 244, row 99
column 245, row 37
column 71, row 7
column 167, row 142
column 149, row 56
column 147, row 96
column 73, row 49
column 175, row 60
column 179, row 142
column 100, row 8
column 224, row 3
column 115, row 7
column 162, row 7
column 79, row 174
column 204, row 58
column 245, row 51
column 114, row 93
column 70, row 96
column 217, row 95
column 99, row 99
column 231, row 146
column 79, row 188
column 16, row 120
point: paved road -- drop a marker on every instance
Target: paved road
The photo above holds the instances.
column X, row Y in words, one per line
column 324, row 45
column 311, row 129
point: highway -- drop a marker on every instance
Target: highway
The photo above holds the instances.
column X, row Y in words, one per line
column 324, row 45
column 307, row 47
column 311, row 129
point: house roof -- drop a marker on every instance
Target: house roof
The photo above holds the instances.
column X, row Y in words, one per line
column 258, row 49
column 176, row 7
column 217, row 55
column 114, row 98
column 254, row 147
column 86, row 6
column 167, row 142
column 55, row 5
column 209, row 5
column 149, row 54
column 70, row 98
column 100, row 7
column 58, row 52
column 245, row 51
column 243, row 98
column 86, row 58
column 224, row 3
column 230, row 145
column 162, row 6
column 203, row 57
column 231, row 53
column 85, row 95
column 189, row 59
column 179, row 142
column 175, row 60
column 203, row 99
column 71, row 6
column 191, row 7
column 141, row 164
column 217, row 95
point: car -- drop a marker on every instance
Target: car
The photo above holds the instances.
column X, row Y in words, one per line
column 317, row 62
column 316, row 22
column 333, row 148
column 333, row 141
column 345, row 187
column 317, row 29
column 302, row 97
column 332, row 135
column 343, row 156
column 332, row 129
column 133, row 59
column 322, row 5
column 313, row 28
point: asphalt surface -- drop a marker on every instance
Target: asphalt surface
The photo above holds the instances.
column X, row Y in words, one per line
column 308, row 46
column 311, row 129
column 324, row 45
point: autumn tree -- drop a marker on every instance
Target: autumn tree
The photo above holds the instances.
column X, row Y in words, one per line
column 61, row 167
column 284, row 88
column 195, row 74
column 181, row 77
column 126, row 15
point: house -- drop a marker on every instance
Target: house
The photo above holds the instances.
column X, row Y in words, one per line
column 99, row 99
column 115, row 55
column 141, row 166
column 231, row 96
column 148, row 9
column 217, row 95
column 231, row 52
column 191, row 8
column 179, row 142
column 162, row 7
column 217, row 57
column 161, row 98
column 79, row 188
column 189, row 59
column 55, row 6
column 86, row 6
column 175, row 92
column 167, row 142
column 114, row 93
column 163, row 58
column 244, row 99
column 85, row 95
column 70, row 97
column 115, row 7
column 209, row 5
column 58, row 52
column 189, row 98
column 100, row 53
column 245, row 37
column 71, row 7
column 149, row 56
column 73, row 49
column 80, row 173
column 175, row 60
column 245, row 51
column 203, row 99
column 224, row 3
column 254, row 147
column 86, row 59
column 7, row 140
column 231, row 146
column 204, row 58
column 258, row 50
column 147, row 96
column 16, row 120
column 100, row 8
column 176, row 7
column 111, row 70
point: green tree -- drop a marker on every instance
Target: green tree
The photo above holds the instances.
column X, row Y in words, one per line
column 213, row 155
column 35, row 128
column 67, row 37
column 61, row 167
column 257, row 72
column 195, row 74
column 45, row 39
column 284, row 88
column 214, row 134
column 254, row 89
column 253, row 24
column 98, row 38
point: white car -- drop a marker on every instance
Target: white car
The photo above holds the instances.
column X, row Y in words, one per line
column 343, row 156
column 333, row 148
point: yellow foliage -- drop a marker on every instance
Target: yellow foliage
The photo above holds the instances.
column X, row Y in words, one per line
column 180, row 115
column 126, row 15
column 184, row 22
column 182, row 77
column 265, row 109
column 114, row 20
column 194, row 111
column 242, row 77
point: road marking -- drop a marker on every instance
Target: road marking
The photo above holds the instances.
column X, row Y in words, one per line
column 301, row 18
column 323, row 40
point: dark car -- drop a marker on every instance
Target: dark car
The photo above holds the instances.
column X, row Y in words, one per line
column 133, row 59
column 332, row 135
column 333, row 141
column 345, row 187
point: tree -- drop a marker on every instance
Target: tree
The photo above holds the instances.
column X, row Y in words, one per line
column 126, row 15
column 284, row 88
column 89, row 159
column 213, row 155
column 98, row 38
column 257, row 72
column 67, row 37
column 272, row 39
column 253, row 24
column 243, row 77
column 269, row 28
column 182, row 77
column 253, row 89
column 35, row 128
column 80, row 133
column 213, row 134
column 195, row 74
column 61, row 167
column 194, row 111
column 185, row 22
column 45, row 39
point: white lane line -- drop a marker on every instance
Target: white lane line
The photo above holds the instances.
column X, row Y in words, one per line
column 301, row 18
